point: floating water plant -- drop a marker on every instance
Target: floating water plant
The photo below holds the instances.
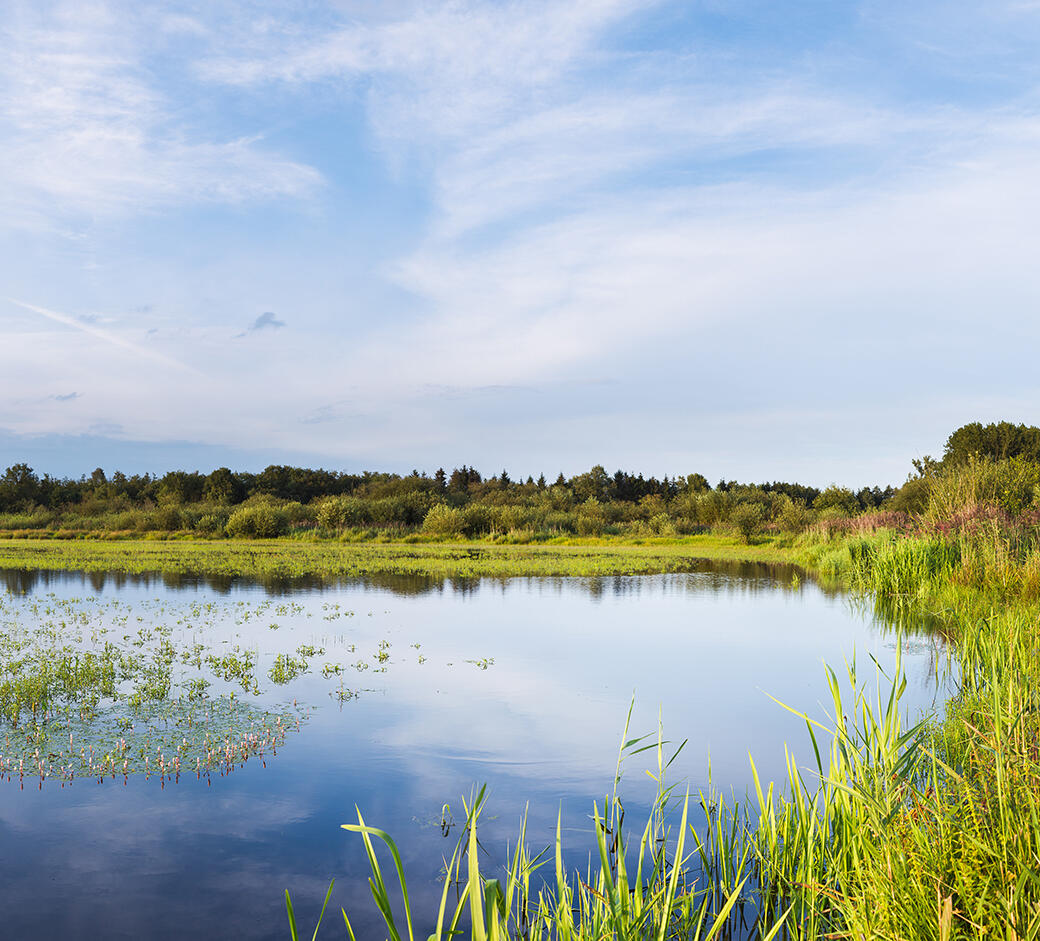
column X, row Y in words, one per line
column 82, row 696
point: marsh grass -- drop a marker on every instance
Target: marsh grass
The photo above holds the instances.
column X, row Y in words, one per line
column 931, row 832
column 289, row 559
column 674, row 880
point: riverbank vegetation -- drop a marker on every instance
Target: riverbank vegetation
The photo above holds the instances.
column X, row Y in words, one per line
column 903, row 833
column 300, row 502
column 464, row 505
column 274, row 559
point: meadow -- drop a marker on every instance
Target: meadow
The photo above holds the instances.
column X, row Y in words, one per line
column 297, row 558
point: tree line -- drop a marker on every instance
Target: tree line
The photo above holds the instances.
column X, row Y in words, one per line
column 462, row 502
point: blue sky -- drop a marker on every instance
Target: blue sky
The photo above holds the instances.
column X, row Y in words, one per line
column 751, row 239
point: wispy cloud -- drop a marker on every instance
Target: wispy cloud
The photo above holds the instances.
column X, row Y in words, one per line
column 266, row 321
column 630, row 188
column 86, row 128
column 107, row 336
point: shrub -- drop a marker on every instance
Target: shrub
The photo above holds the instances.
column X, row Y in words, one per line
column 477, row 519
column 212, row 523
column 444, row 520
column 342, row 512
column 912, row 497
column 661, row 525
column 712, row 508
column 1011, row 484
column 260, row 522
column 840, row 498
column 747, row 519
column 167, row 518
column 125, row 520
column 591, row 518
column 794, row 516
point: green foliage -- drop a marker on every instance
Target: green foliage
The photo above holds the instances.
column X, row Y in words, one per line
column 444, row 520
column 837, row 498
column 378, row 505
column 747, row 519
column 341, row 512
column 594, row 485
column 213, row 524
column 794, row 516
column 1012, row 484
column 996, row 441
column 262, row 521
column 19, row 488
column 591, row 518
column 712, row 508
column 913, row 496
column 167, row 518
column 933, row 832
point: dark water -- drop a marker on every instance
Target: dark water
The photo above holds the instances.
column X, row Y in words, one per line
column 524, row 685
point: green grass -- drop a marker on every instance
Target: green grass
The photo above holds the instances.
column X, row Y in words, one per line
column 282, row 558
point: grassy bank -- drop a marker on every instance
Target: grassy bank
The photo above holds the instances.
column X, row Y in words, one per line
column 931, row 832
column 282, row 558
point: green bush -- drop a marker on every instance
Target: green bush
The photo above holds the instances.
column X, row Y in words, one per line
column 912, row 497
column 261, row 521
column 38, row 519
column 212, row 523
column 794, row 516
column 591, row 518
column 167, row 518
column 478, row 519
column 712, row 508
column 444, row 520
column 560, row 521
column 661, row 525
column 1012, row 484
column 747, row 518
column 839, row 498
column 339, row 513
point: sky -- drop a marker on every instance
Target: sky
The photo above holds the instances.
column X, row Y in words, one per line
column 754, row 239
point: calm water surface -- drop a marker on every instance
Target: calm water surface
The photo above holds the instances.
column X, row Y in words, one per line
column 523, row 684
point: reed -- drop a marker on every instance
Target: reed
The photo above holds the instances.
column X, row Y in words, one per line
column 932, row 832
column 675, row 880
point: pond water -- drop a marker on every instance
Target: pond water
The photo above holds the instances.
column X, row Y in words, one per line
column 395, row 695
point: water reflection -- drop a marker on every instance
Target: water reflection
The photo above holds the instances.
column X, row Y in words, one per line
column 702, row 575
column 540, row 723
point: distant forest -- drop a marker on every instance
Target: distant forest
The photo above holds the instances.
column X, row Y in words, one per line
column 463, row 502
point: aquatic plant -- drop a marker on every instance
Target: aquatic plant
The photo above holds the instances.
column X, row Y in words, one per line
column 652, row 887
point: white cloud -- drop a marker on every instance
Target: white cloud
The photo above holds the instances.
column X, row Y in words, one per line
column 86, row 129
column 592, row 209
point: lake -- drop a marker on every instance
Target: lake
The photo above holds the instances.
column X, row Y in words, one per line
column 398, row 695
